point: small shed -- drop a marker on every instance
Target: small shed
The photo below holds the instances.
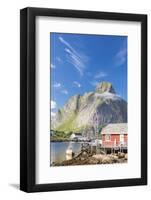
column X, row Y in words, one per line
column 114, row 135
column 77, row 136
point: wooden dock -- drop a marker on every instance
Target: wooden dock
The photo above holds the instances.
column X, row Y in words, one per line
column 107, row 149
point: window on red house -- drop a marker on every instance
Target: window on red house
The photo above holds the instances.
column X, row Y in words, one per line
column 107, row 137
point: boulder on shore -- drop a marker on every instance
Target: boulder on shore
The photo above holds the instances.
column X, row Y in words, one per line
column 121, row 155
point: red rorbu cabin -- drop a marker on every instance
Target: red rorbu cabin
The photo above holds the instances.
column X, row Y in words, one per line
column 114, row 135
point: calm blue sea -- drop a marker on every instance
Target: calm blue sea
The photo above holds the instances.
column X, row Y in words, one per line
column 58, row 150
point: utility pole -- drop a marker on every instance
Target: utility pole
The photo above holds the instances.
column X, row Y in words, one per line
column 96, row 128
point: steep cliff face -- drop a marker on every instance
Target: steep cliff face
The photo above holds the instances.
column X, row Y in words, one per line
column 78, row 113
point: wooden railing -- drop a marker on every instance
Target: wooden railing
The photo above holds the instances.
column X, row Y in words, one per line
column 113, row 145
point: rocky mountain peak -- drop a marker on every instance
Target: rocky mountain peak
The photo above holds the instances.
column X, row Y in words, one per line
column 105, row 87
column 77, row 114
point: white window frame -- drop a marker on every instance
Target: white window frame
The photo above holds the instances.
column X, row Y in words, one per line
column 122, row 138
column 106, row 138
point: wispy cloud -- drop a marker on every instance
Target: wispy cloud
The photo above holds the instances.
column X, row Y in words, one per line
column 94, row 83
column 57, row 85
column 76, row 58
column 65, row 92
column 52, row 66
column 60, row 88
column 65, row 42
column 121, row 55
column 100, row 74
column 58, row 59
column 77, row 84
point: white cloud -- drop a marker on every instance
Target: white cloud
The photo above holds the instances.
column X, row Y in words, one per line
column 77, row 84
column 121, row 56
column 94, row 83
column 53, row 104
column 53, row 108
column 77, row 59
column 64, row 91
column 100, row 75
column 53, row 66
column 57, row 85
column 53, row 114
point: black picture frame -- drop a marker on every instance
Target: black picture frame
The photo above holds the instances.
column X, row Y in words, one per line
column 28, row 99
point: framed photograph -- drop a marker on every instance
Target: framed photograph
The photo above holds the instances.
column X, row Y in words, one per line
column 83, row 99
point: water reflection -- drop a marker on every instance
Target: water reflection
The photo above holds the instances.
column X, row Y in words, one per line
column 58, row 150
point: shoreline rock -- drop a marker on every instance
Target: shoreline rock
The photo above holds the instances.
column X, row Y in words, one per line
column 94, row 159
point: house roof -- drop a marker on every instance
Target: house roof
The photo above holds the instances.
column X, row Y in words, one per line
column 118, row 128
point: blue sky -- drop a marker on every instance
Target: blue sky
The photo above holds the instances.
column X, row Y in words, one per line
column 79, row 61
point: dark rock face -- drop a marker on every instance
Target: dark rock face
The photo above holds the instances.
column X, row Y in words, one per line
column 112, row 112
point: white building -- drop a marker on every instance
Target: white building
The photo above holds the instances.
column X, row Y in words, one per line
column 76, row 136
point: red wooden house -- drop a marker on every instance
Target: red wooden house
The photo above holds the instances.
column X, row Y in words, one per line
column 114, row 135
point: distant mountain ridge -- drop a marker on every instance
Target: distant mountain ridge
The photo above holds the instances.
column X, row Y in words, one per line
column 77, row 113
